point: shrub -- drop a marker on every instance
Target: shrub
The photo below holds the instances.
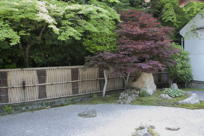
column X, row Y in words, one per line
column 181, row 72
column 143, row 93
column 174, row 92
column 7, row 109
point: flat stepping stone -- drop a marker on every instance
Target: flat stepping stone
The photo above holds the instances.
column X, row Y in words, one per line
column 88, row 114
column 173, row 128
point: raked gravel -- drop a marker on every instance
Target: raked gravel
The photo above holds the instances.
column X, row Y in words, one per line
column 111, row 120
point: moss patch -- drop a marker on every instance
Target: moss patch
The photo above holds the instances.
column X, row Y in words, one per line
column 157, row 101
column 152, row 132
column 102, row 100
column 193, row 89
column 153, row 100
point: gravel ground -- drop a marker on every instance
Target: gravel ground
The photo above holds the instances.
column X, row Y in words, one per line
column 111, row 120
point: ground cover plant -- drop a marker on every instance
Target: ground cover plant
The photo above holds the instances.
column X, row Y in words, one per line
column 190, row 89
column 174, row 92
column 153, row 100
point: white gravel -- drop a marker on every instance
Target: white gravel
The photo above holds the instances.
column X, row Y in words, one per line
column 111, row 120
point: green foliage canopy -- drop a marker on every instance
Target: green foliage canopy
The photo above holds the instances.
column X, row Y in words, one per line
column 66, row 20
column 104, row 38
column 172, row 15
column 25, row 23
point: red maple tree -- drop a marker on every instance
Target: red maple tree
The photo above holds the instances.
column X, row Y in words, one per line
column 143, row 46
column 144, row 42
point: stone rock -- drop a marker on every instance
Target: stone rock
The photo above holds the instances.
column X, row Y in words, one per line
column 128, row 96
column 145, row 82
column 145, row 131
column 193, row 99
column 174, row 86
column 165, row 96
column 173, row 128
column 88, row 114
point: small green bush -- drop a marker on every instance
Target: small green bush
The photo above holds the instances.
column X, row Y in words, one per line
column 7, row 109
column 143, row 93
column 174, row 92
column 181, row 72
column 94, row 95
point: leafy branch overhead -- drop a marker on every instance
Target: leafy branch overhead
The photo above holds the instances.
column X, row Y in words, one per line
column 27, row 23
column 172, row 15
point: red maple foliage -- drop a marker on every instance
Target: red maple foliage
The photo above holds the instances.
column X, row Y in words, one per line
column 142, row 37
column 144, row 45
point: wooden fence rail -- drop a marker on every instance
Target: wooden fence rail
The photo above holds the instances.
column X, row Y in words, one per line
column 32, row 84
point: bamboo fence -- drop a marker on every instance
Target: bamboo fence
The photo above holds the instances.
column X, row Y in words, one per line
column 32, row 84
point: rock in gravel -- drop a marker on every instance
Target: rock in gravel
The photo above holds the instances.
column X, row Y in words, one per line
column 193, row 99
column 145, row 131
column 128, row 96
column 165, row 96
column 173, row 128
column 88, row 114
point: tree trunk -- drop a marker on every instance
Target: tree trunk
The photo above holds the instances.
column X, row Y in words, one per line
column 127, row 80
column 106, row 82
column 27, row 55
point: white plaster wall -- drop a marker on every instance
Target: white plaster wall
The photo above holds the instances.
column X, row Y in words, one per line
column 195, row 46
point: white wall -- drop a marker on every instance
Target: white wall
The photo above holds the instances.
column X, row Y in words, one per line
column 195, row 46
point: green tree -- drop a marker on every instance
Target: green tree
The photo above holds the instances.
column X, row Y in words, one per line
column 23, row 22
column 27, row 24
column 172, row 15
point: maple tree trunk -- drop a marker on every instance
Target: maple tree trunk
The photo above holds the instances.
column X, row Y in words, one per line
column 127, row 80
